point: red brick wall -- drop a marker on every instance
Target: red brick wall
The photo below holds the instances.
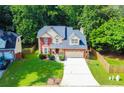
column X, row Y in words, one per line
column 42, row 42
column 49, row 41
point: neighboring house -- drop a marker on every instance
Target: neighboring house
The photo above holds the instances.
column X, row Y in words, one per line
column 62, row 40
column 10, row 44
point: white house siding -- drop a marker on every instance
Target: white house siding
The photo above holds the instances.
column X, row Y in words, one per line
column 45, row 35
column 52, row 33
column 18, row 46
column 73, row 37
column 2, row 43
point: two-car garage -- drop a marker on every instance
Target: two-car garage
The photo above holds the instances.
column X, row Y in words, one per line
column 74, row 53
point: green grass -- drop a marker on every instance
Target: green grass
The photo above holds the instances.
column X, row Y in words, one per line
column 114, row 61
column 101, row 75
column 31, row 71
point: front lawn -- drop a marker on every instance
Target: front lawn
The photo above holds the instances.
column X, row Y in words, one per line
column 31, row 71
column 114, row 61
column 101, row 75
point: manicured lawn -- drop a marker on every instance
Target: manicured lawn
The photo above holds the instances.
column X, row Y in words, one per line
column 31, row 71
column 101, row 75
column 114, row 61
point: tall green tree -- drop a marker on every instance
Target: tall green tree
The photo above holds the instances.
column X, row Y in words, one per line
column 5, row 17
column 109, row 36
column 92, row 17
column 27, row 20
column 72, row 13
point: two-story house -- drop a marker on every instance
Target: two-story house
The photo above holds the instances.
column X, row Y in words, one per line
column 62, row 40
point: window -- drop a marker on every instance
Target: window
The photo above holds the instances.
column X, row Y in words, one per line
column 46, row 40
column 57, row 39
column 45, row 50
column 74, row 41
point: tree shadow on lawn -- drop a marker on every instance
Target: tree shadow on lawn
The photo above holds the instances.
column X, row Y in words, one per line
column 29, row 73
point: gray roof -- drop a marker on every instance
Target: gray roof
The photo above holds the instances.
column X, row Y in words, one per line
column 65, row 33
column 65, row 44
column 9, row 37
column 59, row 29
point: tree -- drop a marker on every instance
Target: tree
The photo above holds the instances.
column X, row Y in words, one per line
column 72, row 13
column 109, row 36
column 56, row 16
column 92, row 17
column 29, row 19
column 5, row 17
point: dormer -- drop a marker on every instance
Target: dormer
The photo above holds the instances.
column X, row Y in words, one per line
column 74, row 39
column 2, row 43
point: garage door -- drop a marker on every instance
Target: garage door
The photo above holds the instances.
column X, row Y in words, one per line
column 74, row 53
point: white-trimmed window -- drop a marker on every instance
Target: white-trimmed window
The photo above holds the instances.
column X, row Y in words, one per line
column 46, row 40
column 74, row 41
column 57, row 39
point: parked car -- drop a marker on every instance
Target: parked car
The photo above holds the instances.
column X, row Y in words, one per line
column 4, row 65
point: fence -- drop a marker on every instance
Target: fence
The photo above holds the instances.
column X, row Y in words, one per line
column 29, row 50
column 109, row 68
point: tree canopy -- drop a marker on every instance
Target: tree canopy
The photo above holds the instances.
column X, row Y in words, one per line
column 5, row 18
column 109, row 36
column 92, row 17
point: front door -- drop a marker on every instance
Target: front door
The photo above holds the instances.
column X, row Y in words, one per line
column 57, row 51
column 46, row 50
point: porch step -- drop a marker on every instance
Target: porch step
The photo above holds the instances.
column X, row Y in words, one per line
column 57, row 58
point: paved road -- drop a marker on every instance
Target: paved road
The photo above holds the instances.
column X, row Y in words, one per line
column 77, row 73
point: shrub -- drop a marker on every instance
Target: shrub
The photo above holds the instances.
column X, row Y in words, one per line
column 62, row 57
column 42, row 56
column 37, row 53
column 51, row 57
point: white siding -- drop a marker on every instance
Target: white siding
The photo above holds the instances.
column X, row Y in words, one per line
column 52, row 33
column 2, row 43
column 73, row 37
column 45, row 35
column 18, row 46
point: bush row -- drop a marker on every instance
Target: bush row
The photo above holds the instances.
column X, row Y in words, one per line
column 51, row 56
column 45, row 56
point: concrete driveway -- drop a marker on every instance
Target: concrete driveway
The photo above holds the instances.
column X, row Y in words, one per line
column 77, row 73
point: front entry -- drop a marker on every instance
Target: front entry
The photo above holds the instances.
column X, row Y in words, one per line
column 45, row 50
column 57, row 51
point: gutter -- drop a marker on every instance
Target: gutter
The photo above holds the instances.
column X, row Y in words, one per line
column 8, row 49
